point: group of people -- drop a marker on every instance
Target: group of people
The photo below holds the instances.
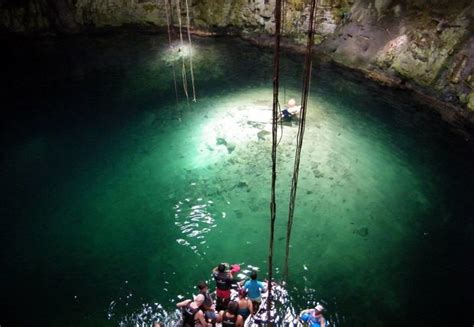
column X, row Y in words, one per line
column 202, row 311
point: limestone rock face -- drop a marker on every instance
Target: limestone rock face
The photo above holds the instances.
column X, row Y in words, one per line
column 37, row 15
column 428, row 44
column 117, row 13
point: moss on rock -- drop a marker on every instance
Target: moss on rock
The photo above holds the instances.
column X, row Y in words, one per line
column 470, row 102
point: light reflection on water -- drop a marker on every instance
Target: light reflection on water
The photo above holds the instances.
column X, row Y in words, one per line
column 194, row 218
column 147, row 315
column 380, row 187
column 284, row 312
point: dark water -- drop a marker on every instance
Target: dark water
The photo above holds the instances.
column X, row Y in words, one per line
column 116, row 199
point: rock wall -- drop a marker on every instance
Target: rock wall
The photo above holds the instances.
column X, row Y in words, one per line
column 427, row 47
column 423, row 45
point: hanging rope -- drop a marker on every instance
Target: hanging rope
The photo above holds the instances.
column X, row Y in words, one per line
column 190, row 51
column 276, row 80
column 301, row 127
column 168, row 21
column 281, row 32
column 183, row 66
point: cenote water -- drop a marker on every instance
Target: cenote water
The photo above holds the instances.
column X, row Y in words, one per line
column 117, row 198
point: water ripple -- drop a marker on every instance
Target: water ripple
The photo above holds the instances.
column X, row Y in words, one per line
column 194, row 219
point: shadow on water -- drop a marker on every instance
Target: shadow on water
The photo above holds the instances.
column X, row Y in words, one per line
column 117, row 201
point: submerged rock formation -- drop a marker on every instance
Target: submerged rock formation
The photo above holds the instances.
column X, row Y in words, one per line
column 425, row 46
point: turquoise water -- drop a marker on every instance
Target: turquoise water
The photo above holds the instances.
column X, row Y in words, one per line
column 118, row 199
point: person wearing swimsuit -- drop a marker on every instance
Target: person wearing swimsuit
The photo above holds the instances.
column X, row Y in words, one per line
column 192, row 315
column 245, row 305
column 224, row 281
column 313, row 317
column 231, row 317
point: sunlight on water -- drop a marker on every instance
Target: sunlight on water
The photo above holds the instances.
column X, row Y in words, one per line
column 233, row 122
column 195, row 221
column 347, row 191
column 149, row 314
column 282, row 310
column 109, row 180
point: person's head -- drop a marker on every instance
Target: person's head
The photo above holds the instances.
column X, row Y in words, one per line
column 199, row 299
column 253, row 275
column 233, row 307
column 202, row 286
column 221, row 267
column 319, row 308
column 156, row 324
column 291, row 103
column 242, row 293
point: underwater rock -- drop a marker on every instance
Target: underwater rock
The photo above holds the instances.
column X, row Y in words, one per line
column 262, row 135
column 317, row 173
column 242, row 184
column 230, row 147
column 364, row 231
column 255, row 124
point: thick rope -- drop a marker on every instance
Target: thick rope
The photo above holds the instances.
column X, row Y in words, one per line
column 283, row 10
column 301, row 127
column 190, row 51
column 183, row 66
column 168, row 21
column 276, row 79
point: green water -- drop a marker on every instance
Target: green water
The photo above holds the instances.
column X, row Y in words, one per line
column 118, row 199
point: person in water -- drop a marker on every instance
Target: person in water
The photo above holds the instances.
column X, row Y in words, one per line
column 255, row 289
column 224, row 281
column 231, row 317
column 313, row 317
column 208, row 306
column 291, row 110
column 245, row 305
column 192, row 315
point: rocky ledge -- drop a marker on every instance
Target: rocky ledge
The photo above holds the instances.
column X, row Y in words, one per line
column 423, row 46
